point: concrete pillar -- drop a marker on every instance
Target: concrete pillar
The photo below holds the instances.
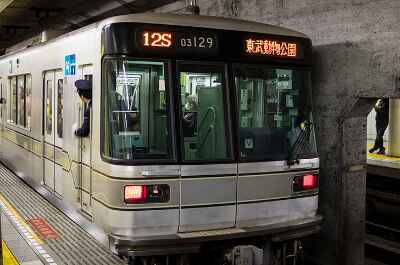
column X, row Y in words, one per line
column 394, row 127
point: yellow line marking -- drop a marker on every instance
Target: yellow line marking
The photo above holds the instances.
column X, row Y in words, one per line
column 8, row 257
column 381, row 157
column 20, row 220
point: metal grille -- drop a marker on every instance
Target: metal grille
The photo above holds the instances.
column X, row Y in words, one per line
column 74, row 245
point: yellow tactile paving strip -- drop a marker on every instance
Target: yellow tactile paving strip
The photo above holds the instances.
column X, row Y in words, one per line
column 25, row 230
column 73, row 246
column 381, row 157
column 8, row 257
column 21, row 223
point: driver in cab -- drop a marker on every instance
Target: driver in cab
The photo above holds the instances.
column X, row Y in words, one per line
column 84, row 90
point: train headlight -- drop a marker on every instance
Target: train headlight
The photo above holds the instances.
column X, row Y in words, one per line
column 305, row 182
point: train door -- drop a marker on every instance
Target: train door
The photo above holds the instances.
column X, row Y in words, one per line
column 85, row 72
column 208, row 189
column 53, row 126
column 58, row 115
column 48, row 146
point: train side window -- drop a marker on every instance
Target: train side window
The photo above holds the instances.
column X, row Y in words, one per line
column 204, row 117
column 13, row 100
column 20, row 100
column 49, row 107
column 134, row 106
column 60, row 107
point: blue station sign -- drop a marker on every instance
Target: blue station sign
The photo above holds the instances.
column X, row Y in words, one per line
column 70, row 65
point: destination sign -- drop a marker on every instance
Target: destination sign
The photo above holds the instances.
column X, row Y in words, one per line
column 178, row 41
column 270, row 47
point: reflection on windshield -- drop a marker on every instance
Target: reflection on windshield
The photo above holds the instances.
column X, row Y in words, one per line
column 273, row 113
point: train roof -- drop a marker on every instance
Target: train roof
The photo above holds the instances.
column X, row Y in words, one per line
column 205, row 22
column 199, row 21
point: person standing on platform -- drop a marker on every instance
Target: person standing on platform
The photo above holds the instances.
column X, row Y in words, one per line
column 382, row 121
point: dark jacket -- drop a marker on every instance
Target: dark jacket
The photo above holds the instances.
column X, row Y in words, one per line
column 382, row 113
column 84, row 131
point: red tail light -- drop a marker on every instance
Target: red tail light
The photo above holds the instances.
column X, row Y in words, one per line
column 135, row 193
column 306, row 182
column 309, row 182
column 153, row 193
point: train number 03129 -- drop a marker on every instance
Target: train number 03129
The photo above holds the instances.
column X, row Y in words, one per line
column 197, row 42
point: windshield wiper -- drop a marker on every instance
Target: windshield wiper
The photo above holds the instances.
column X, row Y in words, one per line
column 300, row 144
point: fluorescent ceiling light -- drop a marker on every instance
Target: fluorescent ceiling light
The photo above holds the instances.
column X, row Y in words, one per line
column 4, row 4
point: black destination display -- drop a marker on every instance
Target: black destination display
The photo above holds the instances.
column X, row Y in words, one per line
column 193, row 43
column 183, row 42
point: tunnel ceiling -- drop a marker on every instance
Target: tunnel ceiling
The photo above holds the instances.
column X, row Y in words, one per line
column 23, row 19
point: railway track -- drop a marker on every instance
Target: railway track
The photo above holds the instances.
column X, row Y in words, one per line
column 382, row 244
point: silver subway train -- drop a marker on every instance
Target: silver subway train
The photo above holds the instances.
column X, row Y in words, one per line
column 201, row 131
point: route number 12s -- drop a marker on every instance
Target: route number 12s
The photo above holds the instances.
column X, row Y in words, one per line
column 157, row 39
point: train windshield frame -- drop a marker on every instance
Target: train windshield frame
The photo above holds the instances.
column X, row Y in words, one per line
column 274, row 113
column 136, row 123
column 228, row 61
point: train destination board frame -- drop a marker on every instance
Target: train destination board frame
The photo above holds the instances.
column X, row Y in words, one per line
column 178, row 42
column 183, row 42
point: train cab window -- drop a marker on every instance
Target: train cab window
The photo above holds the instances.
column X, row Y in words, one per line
column 60, row 107
column 203, row 120
column 135, row 110
column 274, row 113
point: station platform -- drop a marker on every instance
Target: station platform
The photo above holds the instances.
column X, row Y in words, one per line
column 34, row 232
column 383, row 165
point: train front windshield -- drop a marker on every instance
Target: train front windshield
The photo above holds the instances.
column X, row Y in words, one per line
column 274, row 108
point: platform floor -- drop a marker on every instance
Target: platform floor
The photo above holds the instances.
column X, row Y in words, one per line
column 53, row 239
column 16, row 251
column 382, row 165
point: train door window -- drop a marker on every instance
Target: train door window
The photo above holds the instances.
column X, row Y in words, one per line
column 13, row 100
column 21, row 101
column 87, row 77
column 28, row 100
column 204, row 118
column 60, row 107
column 137, row 123
column 49, row 107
